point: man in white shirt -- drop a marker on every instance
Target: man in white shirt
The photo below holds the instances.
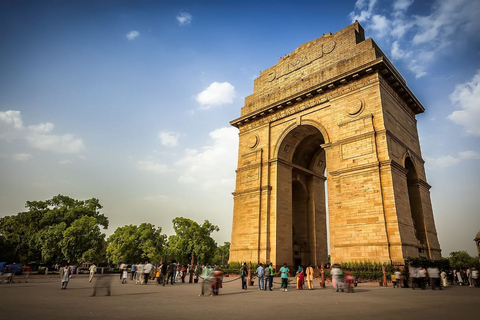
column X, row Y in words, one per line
column 147, row 269
column 434, row 275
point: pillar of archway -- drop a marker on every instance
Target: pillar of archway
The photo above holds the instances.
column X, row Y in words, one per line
column 334, row 114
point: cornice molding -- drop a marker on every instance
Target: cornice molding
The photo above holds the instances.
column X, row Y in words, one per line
column 321, row 91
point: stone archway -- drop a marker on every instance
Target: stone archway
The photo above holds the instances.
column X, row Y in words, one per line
column 416, row 209
column 301, row 161
column 337, row 105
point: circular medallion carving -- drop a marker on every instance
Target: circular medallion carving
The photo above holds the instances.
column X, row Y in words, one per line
column 355, row 108
column 252, row 141
column 328, row 47
column 271, row 76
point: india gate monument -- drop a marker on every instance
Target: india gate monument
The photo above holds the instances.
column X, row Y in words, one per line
column 331, row 128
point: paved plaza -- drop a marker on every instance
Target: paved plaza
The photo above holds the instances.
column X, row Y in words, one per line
column 42, row 298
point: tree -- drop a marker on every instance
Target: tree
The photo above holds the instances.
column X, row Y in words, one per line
column 192, row 239
column 55, row 230
column 132, row 244
column 82, row 241
column 222, row 254
column 461, row 260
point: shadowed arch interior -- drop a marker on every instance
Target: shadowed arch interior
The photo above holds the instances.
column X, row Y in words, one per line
column 301, row 152
column 415, row 201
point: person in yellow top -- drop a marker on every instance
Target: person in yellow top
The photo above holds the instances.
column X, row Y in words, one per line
column 309, row 276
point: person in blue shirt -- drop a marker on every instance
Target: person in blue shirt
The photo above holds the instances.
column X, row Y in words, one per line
column 284, row 276
column 260, row 274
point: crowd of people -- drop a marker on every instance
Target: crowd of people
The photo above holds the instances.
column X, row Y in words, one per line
column 212, row 278
column 421, row 277
column 162, row 273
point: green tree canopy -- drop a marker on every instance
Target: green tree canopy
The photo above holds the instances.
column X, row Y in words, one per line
column 192, row 239
column 132, row 244
column 54, row 230
column 222, row 254
column 461, row 259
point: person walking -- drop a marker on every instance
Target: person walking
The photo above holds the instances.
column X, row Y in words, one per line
column 65, row 276
column 163, row 273
column 434, row 275
column 134, row 271
column 475, row 280
column 140, row 274
column 336, row 274
column 216, row 281
column 147, row 269
column 398, row 278
column 124, row 274
column 92, row 269
column 271, row 271
column 184, row 272
column 284, row 277
column 443, row 276
column 243, row 275
column 266, row 274
column 205, row 275
column 170, row 272
column 260, row 275
column 309, row 276
column 469, row 277
column 413, row 276
column 422, row 275
column 300, row 278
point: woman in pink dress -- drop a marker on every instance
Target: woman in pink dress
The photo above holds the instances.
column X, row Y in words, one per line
column 300, row 278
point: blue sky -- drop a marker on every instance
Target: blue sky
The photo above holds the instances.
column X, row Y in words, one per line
column 130, row 101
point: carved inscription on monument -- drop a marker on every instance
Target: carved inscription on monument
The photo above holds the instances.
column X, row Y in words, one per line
column 300, row 62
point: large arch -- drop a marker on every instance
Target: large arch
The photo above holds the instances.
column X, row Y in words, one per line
column 416, row 209
column 302, row 162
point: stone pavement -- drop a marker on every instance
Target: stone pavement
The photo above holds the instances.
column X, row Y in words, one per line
column 42, row 298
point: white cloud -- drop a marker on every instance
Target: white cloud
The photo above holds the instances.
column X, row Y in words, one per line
column 184, row 18
column 12, row 117
column 449, row 161
column 398, row 53
column 132, row 35
column 422, row 36
column 466, row 97
column 214, row 165
column 152, row 166
column 399, row 28
column 417, row 67
column 216, row 94
column 22, row 156
column 41, row 128
column 441, row 162
column 11, row 124
column 469, row 155
column 64, row 162
column 168, row 139
column 380, row 25
column 402, row 5
column 11, row 127
column 66, row 143
column 365, row 8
